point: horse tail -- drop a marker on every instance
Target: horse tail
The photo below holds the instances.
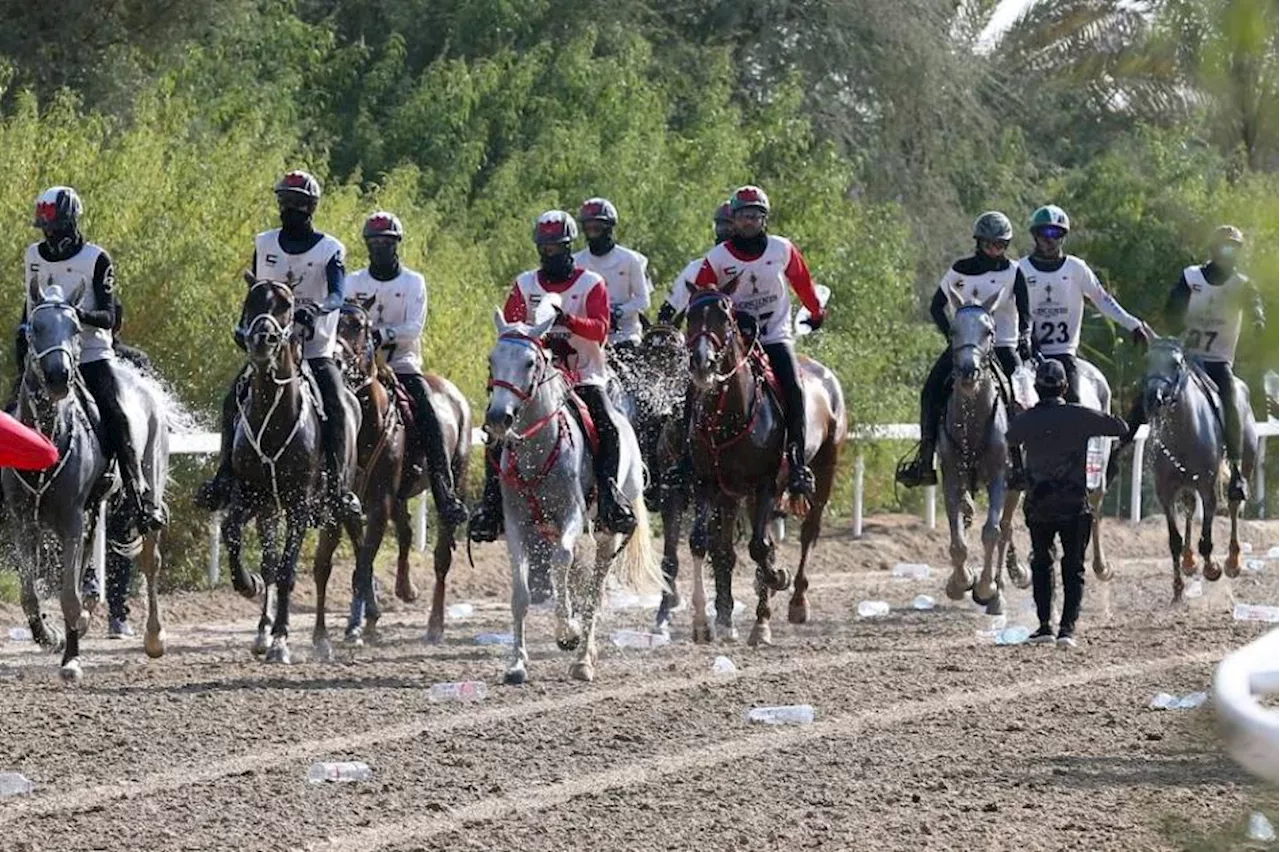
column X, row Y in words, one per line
column 638, row 569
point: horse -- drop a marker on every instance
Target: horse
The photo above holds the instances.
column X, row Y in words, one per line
column 1184, row 410
column 392, row 470
column 973, row 452
column 735, row 416
column 547, row 484
column 62, row 503
column 277, row 458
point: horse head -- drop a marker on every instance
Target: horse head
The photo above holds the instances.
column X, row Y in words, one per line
column 662, row 349
column 519, row 365
column 973, row 331
column 268, row 308
column 53, row 337
column 1166, row 372
column 712, row 339
column 355, row 339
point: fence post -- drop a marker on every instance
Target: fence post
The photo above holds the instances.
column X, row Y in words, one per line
column 1260, row 478
column 100, row 549
column 1135, row 480
column 420, row 525
column 859, row 472
column 215, row 549
column 931, row 506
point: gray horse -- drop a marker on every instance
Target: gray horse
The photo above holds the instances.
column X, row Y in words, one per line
column 1183, row 408
column 54, row 512
column 547, row 481
column 974, row 453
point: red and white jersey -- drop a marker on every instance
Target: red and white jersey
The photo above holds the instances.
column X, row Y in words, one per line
column 764, row 284
column 626, row 274
column 1214, row 315
column 578, row 345
column 310, row 282
column 399, row 309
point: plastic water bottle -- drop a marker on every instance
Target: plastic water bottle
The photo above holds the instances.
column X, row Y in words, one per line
column 1255, row 565
column 1274, row 553
column 1195, row 589
column 1093, row 468
column 873, row 609
column 459, row 610
column 1192, row 700
column 1163, row 701
column 923, row 602
column 724, row 668
column 14, row 784
column 639, row 639
column 1256, row 612
column 911, row 571
column 467, row 690
column 495, row 639
column 1015, row 635
column 1260, row 828
column 791, row 714
column 339, row 771
column 20, row 634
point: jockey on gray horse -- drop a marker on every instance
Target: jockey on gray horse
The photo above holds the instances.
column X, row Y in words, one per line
column 1207, row 306
column 65, row 260
column 314, row 263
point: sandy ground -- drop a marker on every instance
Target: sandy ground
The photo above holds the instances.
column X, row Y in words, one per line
column 928, row 736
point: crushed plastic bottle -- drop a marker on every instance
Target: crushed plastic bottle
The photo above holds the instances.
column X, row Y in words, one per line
column 1274, row 553
column 790, row 714
column 1094, row 464
column 911, row 571
column 467, row 690
column 873, row 609
column 1015, row 635
column 1253, row 566
column 1260, row 828
column 1190, row 701
column 639, row 639
column 14, row 784
column 723, row 667
column 1256, row 612
column 20, row 634
column 453, row 612
column 344, row 771
column 923, row 602
column 1194, row 589
column 495, row 639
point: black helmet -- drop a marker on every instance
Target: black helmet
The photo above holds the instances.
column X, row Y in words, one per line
column 745, row 197
column 993, row 225
column 724, row 214
column 58, row 209
column 1051, row 378
column 298, row 187
column 555, row 227
column 598, row 210
column 383, row 224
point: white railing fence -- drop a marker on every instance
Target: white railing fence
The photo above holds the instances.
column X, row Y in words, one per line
column 1250, row 730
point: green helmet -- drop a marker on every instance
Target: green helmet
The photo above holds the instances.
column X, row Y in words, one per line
column 993, row 225
column 1050, row 215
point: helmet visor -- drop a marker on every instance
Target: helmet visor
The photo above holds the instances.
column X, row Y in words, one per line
column 1051, row 232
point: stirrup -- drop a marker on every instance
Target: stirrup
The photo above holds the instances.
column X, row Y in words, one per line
column 802, row 481
column 485, row 524
column 914, row 474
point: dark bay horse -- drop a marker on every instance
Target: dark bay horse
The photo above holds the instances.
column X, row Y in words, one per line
column 737, row 435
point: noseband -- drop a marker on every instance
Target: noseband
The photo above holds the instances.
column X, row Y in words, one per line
column 720, row 345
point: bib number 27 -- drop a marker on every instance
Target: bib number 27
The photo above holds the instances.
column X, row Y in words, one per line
column 1201, row 341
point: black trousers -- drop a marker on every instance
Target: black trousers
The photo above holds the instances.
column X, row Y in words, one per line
column 1074, row 534
column 1068, row 363
column 602, row 413
column 782, row 357
column 428, row 424
column 933, row 399
column 100, row 378
column 329, row 380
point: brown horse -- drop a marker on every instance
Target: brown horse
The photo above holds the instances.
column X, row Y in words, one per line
column 737, row 430
column 392, row 469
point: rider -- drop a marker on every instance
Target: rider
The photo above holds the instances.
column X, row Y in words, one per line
column 1207, row 305
column 673, row 308
column 578, row 338
column 765, row 265
column 1056, row 436
column 400, row 315
column 315, row 262
column 974, row 279
column 625, row 271
column 66, row 259
column 1058, row 284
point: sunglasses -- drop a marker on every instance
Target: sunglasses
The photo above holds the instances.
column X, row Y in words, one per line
column 1051, row 232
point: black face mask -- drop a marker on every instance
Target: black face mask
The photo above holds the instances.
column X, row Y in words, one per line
column 63, row 241
column 723, row 234
column 384, row 261
column 295, row 222
column 751, row 246
column 602, row 244
column 558, row 267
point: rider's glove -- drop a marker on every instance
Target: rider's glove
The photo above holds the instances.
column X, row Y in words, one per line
column 815, row 321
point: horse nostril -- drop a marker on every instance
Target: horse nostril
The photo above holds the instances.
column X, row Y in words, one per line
column 508, row 419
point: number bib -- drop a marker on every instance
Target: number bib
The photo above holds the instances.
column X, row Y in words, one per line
column 1214, row 316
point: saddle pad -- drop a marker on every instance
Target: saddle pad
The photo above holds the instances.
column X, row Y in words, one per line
column 582, row 414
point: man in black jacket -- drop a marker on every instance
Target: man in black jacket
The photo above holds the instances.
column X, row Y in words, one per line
column 1055, row 436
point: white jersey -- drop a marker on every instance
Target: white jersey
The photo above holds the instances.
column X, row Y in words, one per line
column 679, row 296
column 1214, row 315
column 67, row 275
column 399, row 310
column 585, row 360
column 763, row 289
column 626, row 274
column 973, row 289
column 1057, row 304
column 309, row 281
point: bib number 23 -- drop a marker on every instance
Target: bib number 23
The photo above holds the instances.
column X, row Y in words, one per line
column 1054, row 332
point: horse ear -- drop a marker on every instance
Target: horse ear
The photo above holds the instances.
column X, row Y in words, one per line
column 645, row 323
column 691, row 287
column 989, row 303
column 732, row 285
column 499, row 322
column 953, row 298
column 249, row 279
column 77, row 295
column 537, row 331
column 367, row 302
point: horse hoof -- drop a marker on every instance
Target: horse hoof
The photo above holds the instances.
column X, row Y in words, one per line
column 1212, row 571
column 406, row 591
column 322, row 650
column 583, row 671
column 701, row 634
column 761, row 634
column 955, row 590
column 1188, row 564
column 1103, row 572
column 279, row 654
column 372, row 635
column 435, row 635
column 153, row 644
column 979, row 599
column 726, row 634
column 798, row 612
column 71, row 671
column 1232, row 567
column 260, row 645
column 568, row 643
column 996, row 605
column 781, row 580
column 515, row 677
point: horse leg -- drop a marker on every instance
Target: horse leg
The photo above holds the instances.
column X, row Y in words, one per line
column 43, row 632
column 248, row 585
column 366, row 540
column 724, row 520
column 518, row 671
column 1232, row 566
column 442, row 561
column 268, row 536
column 986, row 592
column 584, row 668
column 698, row 547
column 1101, row 569
column 1175, row 548
column 405, row 588
column 559, row 560
column 1020, row 574
column 74, row 618
column 762, row 553
column 1188, row 559
column 961, row 580
column 1209, row 499
column 295, row 531
column 322, row 567
column 151, row 560
column 672, row 511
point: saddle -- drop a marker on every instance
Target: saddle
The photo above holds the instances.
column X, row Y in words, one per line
column 579, row 411
column 1197, row 373
column 401, row 399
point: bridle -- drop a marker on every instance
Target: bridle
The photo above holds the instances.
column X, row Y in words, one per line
column 1172, row 386
column 357, row 366
column 544, row 371
column 70, row 345
column 720, row 345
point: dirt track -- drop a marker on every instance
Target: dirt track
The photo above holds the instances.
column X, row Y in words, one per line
column 928, row 737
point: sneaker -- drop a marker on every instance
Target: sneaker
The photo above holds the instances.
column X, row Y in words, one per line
column 119, row 628
column 1043, row 636
column 1066, row 639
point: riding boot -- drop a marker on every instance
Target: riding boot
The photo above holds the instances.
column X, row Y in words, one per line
column 782, row 357
column 486, row 520
column 214, row 494
column 920, row 470
column 615, row 510
column 439, row 471
column 334, row 435
column 1237, row 488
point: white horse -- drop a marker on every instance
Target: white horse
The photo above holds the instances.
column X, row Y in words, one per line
column 547, row 480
